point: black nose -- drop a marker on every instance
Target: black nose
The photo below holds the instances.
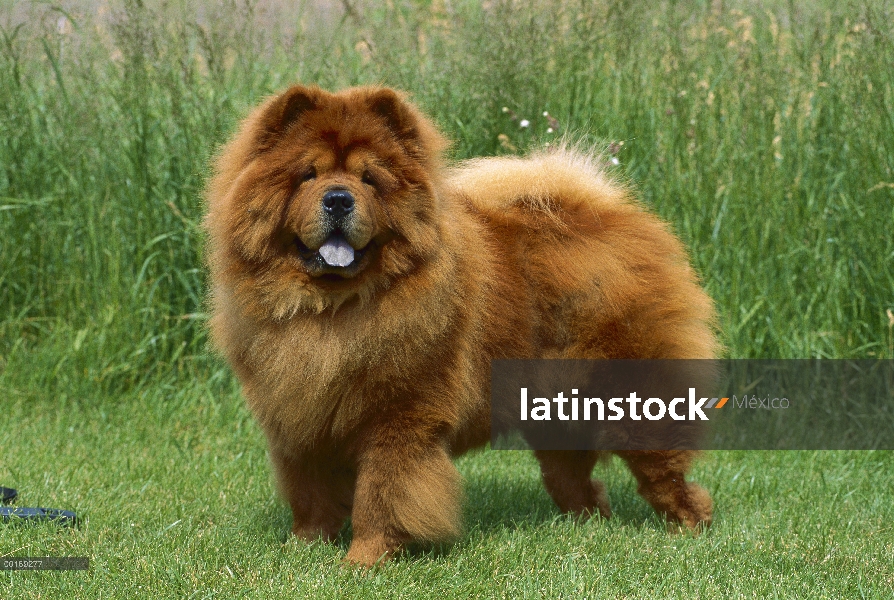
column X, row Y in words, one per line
column 338, row 202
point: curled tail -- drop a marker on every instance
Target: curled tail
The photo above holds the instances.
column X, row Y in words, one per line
column 546, row 189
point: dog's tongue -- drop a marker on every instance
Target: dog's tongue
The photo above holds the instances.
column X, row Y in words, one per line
column 337, row 252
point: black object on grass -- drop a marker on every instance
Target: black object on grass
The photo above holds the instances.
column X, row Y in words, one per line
column 66, row 518
column 7, row 495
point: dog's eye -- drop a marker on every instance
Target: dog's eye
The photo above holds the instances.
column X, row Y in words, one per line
column 368, row 179
column 311, row 173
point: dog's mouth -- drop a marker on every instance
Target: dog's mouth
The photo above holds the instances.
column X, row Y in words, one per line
column 334, row 259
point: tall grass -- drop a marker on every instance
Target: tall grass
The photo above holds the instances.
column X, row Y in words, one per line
column 765, row 135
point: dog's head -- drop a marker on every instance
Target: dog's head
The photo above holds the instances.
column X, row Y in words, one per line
column 322, row 196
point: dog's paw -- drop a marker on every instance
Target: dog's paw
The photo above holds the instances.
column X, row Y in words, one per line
column 367, row 553
column 693, row 512
column 598, row 500
column 313, row 533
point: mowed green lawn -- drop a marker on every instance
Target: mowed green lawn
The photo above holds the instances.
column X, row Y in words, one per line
column 764, row 134
column 177, row 501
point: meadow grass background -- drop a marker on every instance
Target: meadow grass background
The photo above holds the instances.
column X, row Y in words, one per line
column 762, row 130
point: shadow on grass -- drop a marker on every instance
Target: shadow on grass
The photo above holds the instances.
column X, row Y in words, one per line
column 494, row 503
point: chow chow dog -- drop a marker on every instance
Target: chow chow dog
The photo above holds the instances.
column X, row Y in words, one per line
column 360, row 287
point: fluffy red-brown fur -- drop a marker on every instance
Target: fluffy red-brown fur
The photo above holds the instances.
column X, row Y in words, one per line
column 368, row 379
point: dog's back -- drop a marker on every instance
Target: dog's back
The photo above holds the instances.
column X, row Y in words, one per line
column 609, row 279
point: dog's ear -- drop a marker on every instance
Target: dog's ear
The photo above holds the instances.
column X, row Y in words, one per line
column 398, row 115
column 285, row 110
column 418, row 135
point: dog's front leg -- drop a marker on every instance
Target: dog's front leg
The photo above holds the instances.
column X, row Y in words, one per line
column 319, row 493
column 407, row 490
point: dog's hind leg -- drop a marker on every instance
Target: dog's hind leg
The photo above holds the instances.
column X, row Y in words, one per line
column 566, row 476
column 660, row 475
